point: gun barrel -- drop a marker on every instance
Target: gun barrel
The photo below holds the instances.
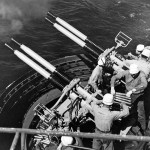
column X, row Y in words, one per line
column 43, row 62
column 49, row 20
column 9, row 47
column 32, row 64
column 74, row 31
column 38, row 58
column 69, row 34
column 94, row 45
column 71, row 28
column 51, row 14
column 15, row 41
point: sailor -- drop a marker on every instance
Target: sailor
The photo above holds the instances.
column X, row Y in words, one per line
column 136, row 83
column 139, row 50
column 143, row 105
column 104, row 118
column 142, row 62
column 96, row 77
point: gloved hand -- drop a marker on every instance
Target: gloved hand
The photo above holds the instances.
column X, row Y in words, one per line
column 128, row 94
column 98, row 92
column 113, row 91
column 100, row 80
column 133, row 90
column 113, row 53
column 129, row 54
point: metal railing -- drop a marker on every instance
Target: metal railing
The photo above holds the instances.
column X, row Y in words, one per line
column 23, row 131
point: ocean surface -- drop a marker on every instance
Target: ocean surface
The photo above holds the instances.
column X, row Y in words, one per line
column 100, row 20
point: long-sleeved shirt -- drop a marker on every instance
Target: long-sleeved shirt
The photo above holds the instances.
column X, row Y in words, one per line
column 139, row 83
column 104, row 117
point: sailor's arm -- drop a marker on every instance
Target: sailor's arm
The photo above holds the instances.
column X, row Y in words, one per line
column 95, row 77
column 129, row 62
column 114, row 78
column 123, row 113
column 140, row 88
column 90, row 102
column 132, row 56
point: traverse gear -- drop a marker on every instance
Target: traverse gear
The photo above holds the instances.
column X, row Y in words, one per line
column 133, row 69
column 146, row 53
column 108, row 99
column 101, row 61
column 139, row 48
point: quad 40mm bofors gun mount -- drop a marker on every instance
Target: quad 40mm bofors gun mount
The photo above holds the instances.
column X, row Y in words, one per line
column 49, row 99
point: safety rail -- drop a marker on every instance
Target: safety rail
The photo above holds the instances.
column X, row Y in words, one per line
column 23, row 131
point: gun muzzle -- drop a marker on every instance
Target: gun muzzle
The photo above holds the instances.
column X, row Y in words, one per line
column 15, row 41
column 49, row 21
column 9, row 47
column 52, row 15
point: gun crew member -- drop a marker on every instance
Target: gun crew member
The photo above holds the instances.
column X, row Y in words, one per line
column 144, row 104
column 139, row 50
column 96, row 77
column 104, row 118
column 142, row 62
column 136, row 83
column 100, row 77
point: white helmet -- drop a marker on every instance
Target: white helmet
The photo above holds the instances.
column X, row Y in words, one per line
column 108, row 99
column 146, row 53
column 66, row 140
column 139, row 48
column 133, row 69
column 101, row 61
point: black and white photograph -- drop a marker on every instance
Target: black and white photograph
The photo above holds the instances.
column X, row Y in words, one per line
column 75, row 75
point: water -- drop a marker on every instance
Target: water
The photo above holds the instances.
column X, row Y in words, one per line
column 100, row 20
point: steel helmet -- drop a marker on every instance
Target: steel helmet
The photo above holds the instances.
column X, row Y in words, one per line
column 140, row 48
column 66, row 140
column 101, row 61
column 133, row 69
column 108, row 99
column 146, row 53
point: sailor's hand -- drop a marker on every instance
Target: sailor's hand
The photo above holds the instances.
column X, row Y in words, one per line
column 128, row 94
column 83, row 103
column 98, row 92
column 130, row 54
column 113, row 53
column 100, row 80
column 133, row 90
column 113, row 91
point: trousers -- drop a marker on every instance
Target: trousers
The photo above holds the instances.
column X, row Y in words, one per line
column 102, row 144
